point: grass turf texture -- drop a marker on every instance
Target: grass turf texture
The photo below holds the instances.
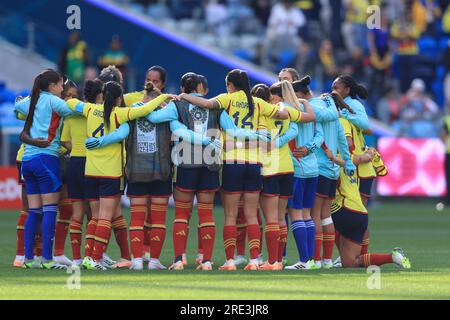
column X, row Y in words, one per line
column 419, row 229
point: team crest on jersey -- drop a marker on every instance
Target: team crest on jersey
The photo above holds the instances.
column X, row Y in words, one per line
column 199, row 114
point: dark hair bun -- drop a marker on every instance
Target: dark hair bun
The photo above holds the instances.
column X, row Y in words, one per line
column 306, row 80
column 362, row 92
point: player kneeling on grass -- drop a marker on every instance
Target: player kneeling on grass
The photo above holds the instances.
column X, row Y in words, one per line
column 351, row 220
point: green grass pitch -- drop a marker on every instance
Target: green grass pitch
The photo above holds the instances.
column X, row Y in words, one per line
column 419, row 229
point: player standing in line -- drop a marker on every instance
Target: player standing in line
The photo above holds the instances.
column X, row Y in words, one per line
column 241, row 174
column 148, row 172
column 40, row 165
column 73, row 137
column 104, row 167
column 351, row 220
column 357, row 123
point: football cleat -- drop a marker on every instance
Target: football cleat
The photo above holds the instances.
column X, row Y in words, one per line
column 62, row 260
column 177, row 266
column 18, row 261
column 252, row 266
column 337, row 263
column 299, row 266
column 155, row 264
column 315, row 265
column 52, row 265
column 206, row 266
column 108, row 261
column 77, row 262
column 37, row 262
column 185, row 262
column 137, row 264
column 90, row 264
column 238, row 260
column 400, row 259
column 122, row 263
column 270, row 267
column 29, row 265
column 327, row 265
column 228, row 265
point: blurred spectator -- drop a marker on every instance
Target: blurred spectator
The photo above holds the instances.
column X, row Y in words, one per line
column 304, row 62
column 380, row 56
column 388, row 107
column 327, row 62
column 406, row 33
column 312, row 31
column 354, row 29
column 447, row 74
column 186, row 9
column 216, row 14
column 418, row 111
column 74, row 58
column 446, row 20
column 114, row 56
column 262, row 9
column 425, row 14
column 354, row 64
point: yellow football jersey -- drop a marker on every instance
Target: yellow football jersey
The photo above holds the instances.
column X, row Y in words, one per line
column 236, row 105
column 347, row 194
column 133, row 97
column 20, row 153
column 364, row 170
column 74, row 131
column 108, row 162
column 276, row 160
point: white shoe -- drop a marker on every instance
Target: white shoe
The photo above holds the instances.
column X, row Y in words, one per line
column 37, row 262
column 299, row 266
column 228, row 265
column 77, row 262
column 177, row 266
column 108, row 261
column 400, row 259
column 238, row 260
column 337, row 263
column 327, row 264
column 316, row 265
column 155, row 264
column 206, row 266
column 63, row 260
column 137, row 264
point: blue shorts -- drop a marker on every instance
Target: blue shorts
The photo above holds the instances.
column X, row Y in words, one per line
column 199, row 179
column 350, row 224
column 304, row 193
column 158, row 188
column 365, row 186
column 75, row 178
column 326, row 188
column 239, row 178
column 96, row 188
column 278, row 185
column 42, row 174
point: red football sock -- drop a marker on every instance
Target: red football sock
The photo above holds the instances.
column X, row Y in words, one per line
column 254, row 236
column 229, row 240
column 374, row 259
column 241, row 225
column 180, row 227
column 147, row 227
column 318, row 247
column 20, row 247
column 138, row 214
column 328, row 243
column 62, row 226
column 199, row 240
column 272, row 241
column 207, row 229
column 282, row 242
column 365, row 246
column 261, row 230
column 120, row 232
column 102, row 234
column 158, row 230
column 90, row 237
column 76, row 230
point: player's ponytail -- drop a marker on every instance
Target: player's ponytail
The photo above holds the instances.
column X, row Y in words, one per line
column 111, row 91
column 92, row 88
column 151, row 91
column 356, row 90
column 261, row 91
column 302, row 85
column 41, row 83
column 189, row 82
column 239, row 79
column 288, row 94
